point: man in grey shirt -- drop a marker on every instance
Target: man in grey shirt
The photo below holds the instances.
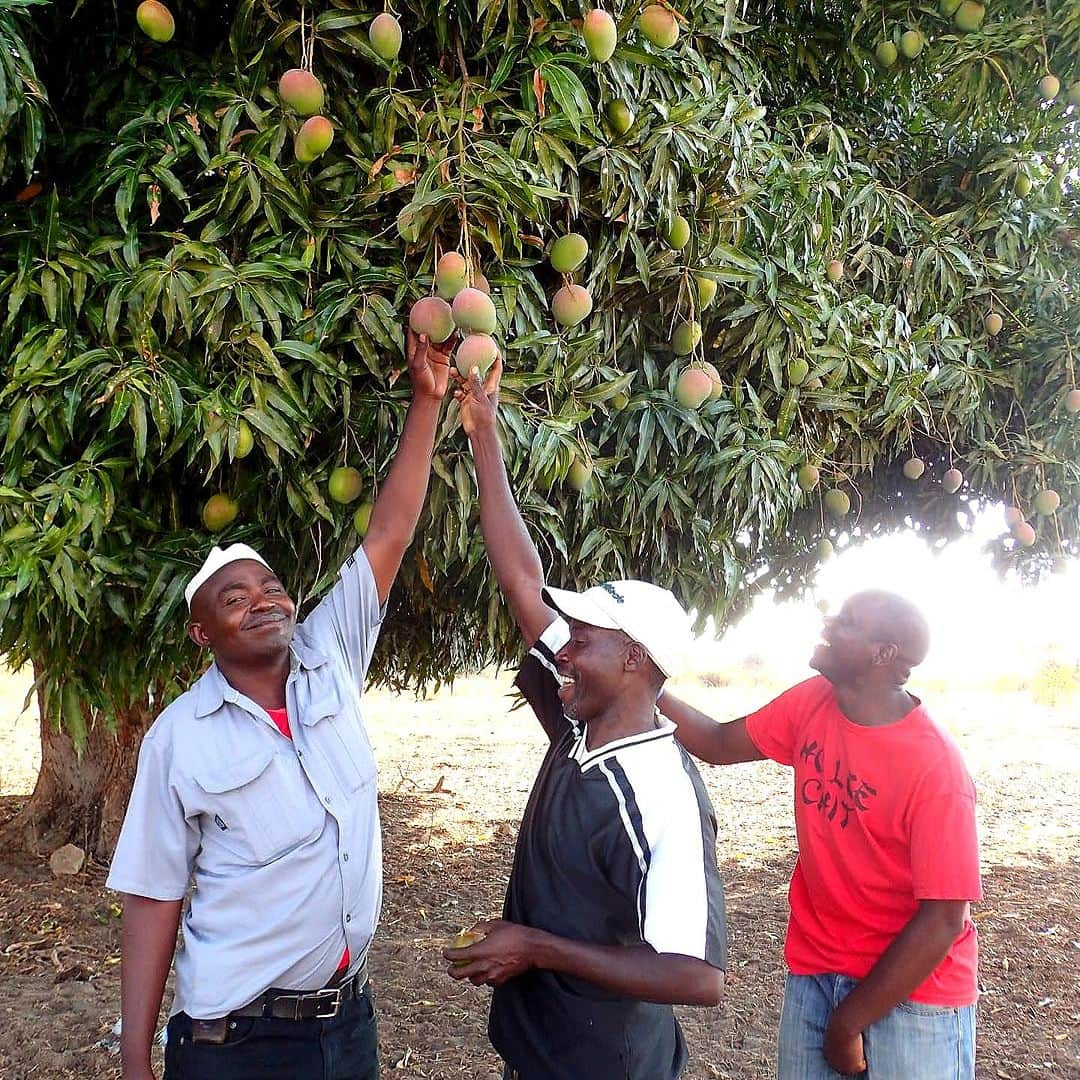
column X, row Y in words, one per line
column 258, row 784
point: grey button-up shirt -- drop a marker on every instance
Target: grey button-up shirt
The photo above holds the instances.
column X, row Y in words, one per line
column 281, row 837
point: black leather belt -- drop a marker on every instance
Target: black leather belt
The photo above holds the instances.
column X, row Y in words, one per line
column 276, row 1004
column 322, row 1004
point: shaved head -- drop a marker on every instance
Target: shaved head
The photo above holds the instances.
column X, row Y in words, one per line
column 889, row 617
column 876, row 635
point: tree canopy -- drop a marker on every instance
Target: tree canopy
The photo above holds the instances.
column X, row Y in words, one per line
column 886, row 202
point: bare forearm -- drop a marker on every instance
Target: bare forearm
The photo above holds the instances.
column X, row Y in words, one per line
column 397, row 509
column 907, row 963
column 632, row 971
column 147, row 941
column 511, row 550
column 704, row 737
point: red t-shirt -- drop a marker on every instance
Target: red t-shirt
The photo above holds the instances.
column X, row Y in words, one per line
column 281, row 720
column 885, row 817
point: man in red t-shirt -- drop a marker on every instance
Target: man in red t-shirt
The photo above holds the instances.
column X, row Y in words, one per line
column 880, row 948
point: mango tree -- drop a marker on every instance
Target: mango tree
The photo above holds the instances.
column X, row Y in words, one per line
column 767, row 278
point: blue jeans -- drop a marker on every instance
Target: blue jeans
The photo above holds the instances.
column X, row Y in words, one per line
column 913, row 1042
column 344, row 1048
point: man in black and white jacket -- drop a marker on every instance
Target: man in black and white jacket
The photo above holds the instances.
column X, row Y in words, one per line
column 614, row 909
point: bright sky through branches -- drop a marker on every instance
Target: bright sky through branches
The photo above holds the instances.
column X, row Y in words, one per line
column 982, row 626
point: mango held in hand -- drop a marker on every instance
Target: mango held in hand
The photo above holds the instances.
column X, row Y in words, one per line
column 569, row 252
column 451, row 274
column 432, row 316
column 301, row 91
column 155, row 21
column 693, row 388
column 476, row 351
column 385, row 36
column 313, row 139
column 463, row 940
column 473, row 312
column 345, row 484
column 600, row 34
column 571, row 305
column 219, row 512
column 659, row 26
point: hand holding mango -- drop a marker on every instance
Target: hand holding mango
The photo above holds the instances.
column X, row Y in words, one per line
column 462, row 940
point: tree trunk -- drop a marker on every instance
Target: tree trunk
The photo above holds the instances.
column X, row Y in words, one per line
column 80, row 800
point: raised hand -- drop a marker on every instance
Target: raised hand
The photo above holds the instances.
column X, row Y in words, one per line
column 429, row 364
column 478, row 401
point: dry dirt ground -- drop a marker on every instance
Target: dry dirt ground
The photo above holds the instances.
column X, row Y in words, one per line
column 455, row 772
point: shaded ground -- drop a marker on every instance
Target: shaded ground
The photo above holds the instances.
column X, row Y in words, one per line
column 455, row 772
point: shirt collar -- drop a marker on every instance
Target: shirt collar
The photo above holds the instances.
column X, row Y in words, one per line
column 664, row 729
column 213, row 689
column 210, row 691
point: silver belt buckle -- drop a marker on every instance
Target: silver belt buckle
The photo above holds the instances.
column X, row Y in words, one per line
column 333, row 997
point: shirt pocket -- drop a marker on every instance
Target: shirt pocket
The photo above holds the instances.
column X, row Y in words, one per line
column 259, row 807
column 345, row 743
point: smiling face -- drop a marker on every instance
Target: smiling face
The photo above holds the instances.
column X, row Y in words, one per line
column 592, row 664
column 875, row 632
column 847, row 645
column 243, row 614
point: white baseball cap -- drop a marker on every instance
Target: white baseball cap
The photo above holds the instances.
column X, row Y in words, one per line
column 647, row 614
column 218, row 558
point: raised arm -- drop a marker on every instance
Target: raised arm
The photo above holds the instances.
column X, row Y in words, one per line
column 510, row 549
column 718, row 744
column 397, row 509
column 634, row 971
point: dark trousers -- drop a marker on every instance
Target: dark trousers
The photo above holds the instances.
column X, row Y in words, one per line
column 344, row 1048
